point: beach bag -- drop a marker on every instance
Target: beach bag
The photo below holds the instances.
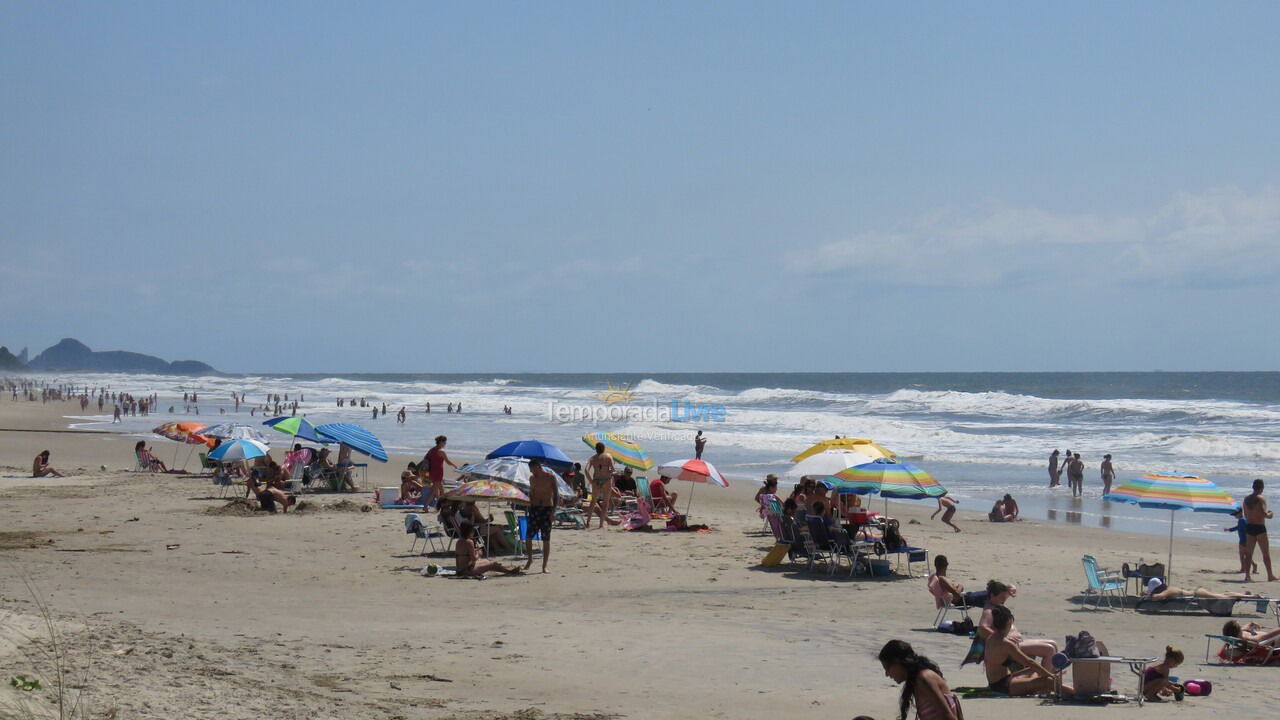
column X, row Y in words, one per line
column 678, row 522
column 1198, row 688
column 962, row 627
column 1082, row 646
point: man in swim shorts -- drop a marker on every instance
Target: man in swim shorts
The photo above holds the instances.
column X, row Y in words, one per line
column 542, row 510
column 1256, row 516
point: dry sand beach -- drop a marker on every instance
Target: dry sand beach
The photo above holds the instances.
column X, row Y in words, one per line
column 169, row 604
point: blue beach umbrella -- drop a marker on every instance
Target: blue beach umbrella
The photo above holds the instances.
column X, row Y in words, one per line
column 355, row 437
column 534, row 450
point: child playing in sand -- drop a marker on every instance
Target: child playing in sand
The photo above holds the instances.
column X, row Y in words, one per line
column 1156, row 683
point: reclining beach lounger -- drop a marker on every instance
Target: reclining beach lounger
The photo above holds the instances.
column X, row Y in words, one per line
column 1238, row 651
column 1185, row 604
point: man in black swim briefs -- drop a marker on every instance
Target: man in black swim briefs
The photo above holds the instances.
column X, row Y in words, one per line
column 1256, row 516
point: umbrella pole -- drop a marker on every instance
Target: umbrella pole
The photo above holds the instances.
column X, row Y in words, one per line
column 690, row 503
column 1168, row 570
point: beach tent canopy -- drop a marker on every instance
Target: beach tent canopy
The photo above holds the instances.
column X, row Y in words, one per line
column 620, row 448
column 870, row 448
column 534, row 450
column 355, row 437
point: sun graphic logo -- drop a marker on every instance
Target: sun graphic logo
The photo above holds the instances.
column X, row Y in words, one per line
column 616, row 395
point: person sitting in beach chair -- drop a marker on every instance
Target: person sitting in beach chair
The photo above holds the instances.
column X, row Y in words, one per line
column 471, row 561
column 1155, row 681
column 146, row 460
column 1252, row 633
column 625, row 483
column 948, row 594
column 495, row 540
column 1004, row 645
column 664, row 500
column 410, row 486
column 40, row 466
column 998, row 594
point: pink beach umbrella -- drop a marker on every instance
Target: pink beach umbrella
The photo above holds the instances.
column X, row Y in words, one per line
column 694, row 471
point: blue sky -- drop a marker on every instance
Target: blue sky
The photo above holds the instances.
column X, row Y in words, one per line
column 645, row 186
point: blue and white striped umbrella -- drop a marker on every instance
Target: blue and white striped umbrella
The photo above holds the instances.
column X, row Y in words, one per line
column 238, row 450
column 354, row 437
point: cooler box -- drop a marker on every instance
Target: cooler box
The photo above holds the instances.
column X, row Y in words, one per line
column 387, row 496
column 880, row 567
column 1090, row 678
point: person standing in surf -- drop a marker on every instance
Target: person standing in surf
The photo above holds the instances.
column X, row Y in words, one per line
column 699, row 443
column 1108, row 474
column 1055, row 474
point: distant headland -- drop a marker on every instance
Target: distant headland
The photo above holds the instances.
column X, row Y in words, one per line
column 71, row 355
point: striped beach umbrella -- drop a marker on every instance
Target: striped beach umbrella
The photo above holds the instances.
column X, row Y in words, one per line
column 235, row 431
column 298, row 427
column 238, row 450
column 1173, row 492
column 889, row 478
column 488, row 491
column 355, row 437
column 183, row 432
column 620, row 448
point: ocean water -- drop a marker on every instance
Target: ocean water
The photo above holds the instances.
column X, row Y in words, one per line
column 981, row 434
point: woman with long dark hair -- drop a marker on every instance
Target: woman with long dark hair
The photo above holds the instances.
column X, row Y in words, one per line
column 922, row 683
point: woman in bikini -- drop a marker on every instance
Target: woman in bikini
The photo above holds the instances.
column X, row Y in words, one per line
column 40, row 467
column 922, row 683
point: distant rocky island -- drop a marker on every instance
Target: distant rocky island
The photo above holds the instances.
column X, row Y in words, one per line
column 71, row 355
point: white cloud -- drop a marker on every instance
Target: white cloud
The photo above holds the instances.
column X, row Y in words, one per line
column 1220, row 236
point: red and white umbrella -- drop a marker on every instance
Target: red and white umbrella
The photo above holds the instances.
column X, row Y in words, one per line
column 693, row 471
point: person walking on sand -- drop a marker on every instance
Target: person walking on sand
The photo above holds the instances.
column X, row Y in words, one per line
column 947, row 507
column 1108, row 474
column 600, row 473
column 542, row 510
column 1055, row 475
column 1256, row 516
column 434, row 462
column 699, row 443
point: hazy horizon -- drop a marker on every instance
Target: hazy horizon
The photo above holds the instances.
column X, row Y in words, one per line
column 424, row 187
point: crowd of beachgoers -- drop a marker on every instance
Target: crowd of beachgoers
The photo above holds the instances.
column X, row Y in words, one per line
column 808, row 520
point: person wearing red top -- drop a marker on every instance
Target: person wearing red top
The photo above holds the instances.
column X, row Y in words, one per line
column 661, row 495
column 434, row 462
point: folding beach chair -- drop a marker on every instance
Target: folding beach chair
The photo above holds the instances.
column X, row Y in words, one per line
column 944, row 603
column 1104, row 584
column 421, row 530
column 818, row 543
